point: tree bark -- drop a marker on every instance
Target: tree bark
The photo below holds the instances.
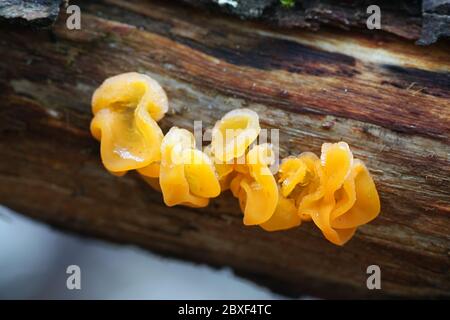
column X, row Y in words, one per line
column 384, row 96
column 425, row 21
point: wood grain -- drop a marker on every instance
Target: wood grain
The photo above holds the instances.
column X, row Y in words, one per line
column 386, row 97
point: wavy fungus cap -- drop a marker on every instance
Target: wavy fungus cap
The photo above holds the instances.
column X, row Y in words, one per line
column 345, row 197
column 234, row 133
column 256, row 187
column 187, row 175
column 335, row 191
column 284, row 217
column 126, row 108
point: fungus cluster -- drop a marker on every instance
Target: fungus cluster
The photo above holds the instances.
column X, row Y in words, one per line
column 335, row 191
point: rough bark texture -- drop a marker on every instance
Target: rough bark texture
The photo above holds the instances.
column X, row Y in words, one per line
column 410, row 19
column 37, row 13
column 387, row 98
column 428, row 20
column 435, row 21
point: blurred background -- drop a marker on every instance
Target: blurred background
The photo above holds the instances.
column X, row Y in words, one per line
column 34, row 258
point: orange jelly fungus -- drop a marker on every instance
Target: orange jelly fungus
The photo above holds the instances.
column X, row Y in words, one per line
column 231, row 137
column 233, row 134
column 187, row 175
column 335, row 191
column 255, row 186
column 126, row 108
column 284, row 217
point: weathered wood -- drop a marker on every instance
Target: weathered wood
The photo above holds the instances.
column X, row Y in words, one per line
column 387, row 98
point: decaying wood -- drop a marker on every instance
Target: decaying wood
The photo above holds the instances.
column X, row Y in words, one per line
column 387, row 98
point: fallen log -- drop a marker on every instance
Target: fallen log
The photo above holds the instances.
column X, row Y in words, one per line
column 386, row 97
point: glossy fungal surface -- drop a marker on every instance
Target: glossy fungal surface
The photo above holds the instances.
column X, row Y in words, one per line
column 234, row 133
column 334, row 191
column 337, row 193
column 126, row 108
column 284, row 217
column 187, row 175
column 255, row 186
